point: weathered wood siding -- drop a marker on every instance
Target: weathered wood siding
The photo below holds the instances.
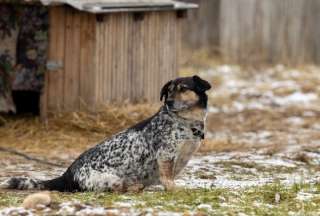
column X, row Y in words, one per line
column 136, row 56
column 112, row 57
column 266, row 31
column 71, row 43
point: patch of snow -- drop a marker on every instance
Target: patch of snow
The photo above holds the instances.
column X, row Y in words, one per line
column 224, row 69
column 308, row 114
column 194, row 183
column 304, row 196
column 276, row 162
column 255, row 106
column 295, row 120
column 212, row 109
column 128, row 203
column 223, row 182
column 92, row 211
column 16, row 211
column 67, row 208
column 316, row 126
column 169, row 214
column 285, row 83
column 238, row 106
column 279, row 67
column 242, row 214
column 296, row 98
column 208, row 207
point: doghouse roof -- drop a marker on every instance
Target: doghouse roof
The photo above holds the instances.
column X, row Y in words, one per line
column 109, row 6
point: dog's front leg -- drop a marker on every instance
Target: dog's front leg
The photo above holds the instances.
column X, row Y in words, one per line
column 166, row 173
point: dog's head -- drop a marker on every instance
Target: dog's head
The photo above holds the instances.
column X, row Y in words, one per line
column 185, row 93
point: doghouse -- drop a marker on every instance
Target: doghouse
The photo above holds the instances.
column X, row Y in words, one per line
column 80, row 54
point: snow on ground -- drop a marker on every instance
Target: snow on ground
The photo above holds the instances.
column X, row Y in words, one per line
column 79, row 209
column 244, row 169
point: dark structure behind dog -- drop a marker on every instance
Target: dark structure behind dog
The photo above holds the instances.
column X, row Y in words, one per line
column 151, row 152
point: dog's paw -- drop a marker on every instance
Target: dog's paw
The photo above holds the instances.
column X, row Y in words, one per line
column 169, row 185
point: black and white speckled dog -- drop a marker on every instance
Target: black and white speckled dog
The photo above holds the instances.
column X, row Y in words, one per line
column 151, row 152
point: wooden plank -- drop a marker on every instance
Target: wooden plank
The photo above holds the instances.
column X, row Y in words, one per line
column 96, row 62
column 72, row 57
column 107, row 58
column 155, row 73
column 163, row 59
column 120, row 57
column 87, row 66
column 126, row 43
column 141, row 57
column 167, row 49
column 46, row 89
column 178, row 47
column 124, row 57
column 68, row 81
column 136, row 58
column 101, row 64
column 154, row 70
column 149, row 56
column 130, row 68
column 172, row 47
column 56, row 54
column 145, row 56
column 114, row 58
column 158, row 38
column 84, row 77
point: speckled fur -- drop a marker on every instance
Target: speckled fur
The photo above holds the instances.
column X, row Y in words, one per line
column 132, row 157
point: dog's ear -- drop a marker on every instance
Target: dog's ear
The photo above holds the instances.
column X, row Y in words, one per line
column 201, row 85
column 165, row 91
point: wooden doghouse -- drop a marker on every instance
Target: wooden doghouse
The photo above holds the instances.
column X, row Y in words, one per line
column 81, row 53
column 110, row 51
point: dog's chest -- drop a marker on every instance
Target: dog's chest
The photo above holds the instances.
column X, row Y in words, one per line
column 188, row 139
column 185, row 150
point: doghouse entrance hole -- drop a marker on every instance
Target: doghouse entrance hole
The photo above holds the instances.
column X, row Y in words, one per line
column 26, row 102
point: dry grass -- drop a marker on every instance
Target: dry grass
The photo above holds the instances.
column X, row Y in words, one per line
column 69, row 133
column 221, row 145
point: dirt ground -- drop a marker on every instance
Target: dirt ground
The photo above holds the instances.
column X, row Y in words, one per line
column 262, row 139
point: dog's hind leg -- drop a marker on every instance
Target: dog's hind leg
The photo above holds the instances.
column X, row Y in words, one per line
column 101, row 181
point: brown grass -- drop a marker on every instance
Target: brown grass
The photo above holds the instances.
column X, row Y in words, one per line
column 69, row 133
column 221, row 145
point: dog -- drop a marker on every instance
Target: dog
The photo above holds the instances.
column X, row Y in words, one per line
column 153, row 151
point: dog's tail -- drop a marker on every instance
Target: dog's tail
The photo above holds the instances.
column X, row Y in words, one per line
column 25, row 183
